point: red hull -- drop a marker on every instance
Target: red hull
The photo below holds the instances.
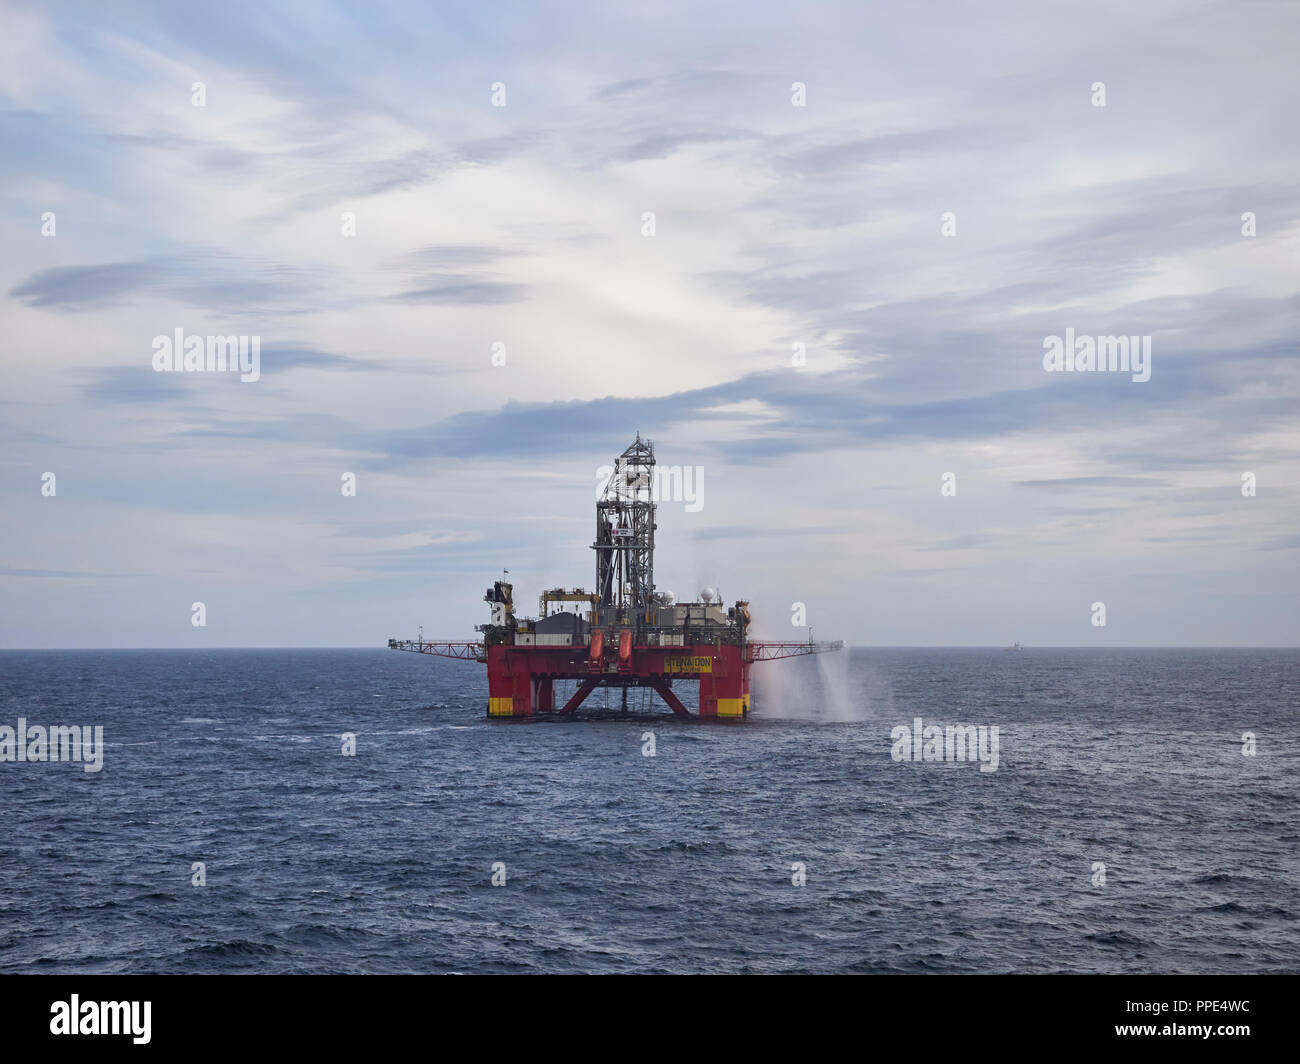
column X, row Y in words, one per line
column 521, row 679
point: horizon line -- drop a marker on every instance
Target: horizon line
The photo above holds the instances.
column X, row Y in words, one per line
column 848, row 646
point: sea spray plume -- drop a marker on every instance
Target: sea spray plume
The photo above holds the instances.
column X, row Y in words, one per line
column 791, row 689
column 779, row 693
column 834, row 677
column 798, row 689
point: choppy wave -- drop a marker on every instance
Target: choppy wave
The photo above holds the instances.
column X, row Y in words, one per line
column 1124, row 830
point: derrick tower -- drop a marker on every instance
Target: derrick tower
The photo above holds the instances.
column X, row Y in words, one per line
column 625, row 530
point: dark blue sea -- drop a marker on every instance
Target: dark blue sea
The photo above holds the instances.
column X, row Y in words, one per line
column 681, row 862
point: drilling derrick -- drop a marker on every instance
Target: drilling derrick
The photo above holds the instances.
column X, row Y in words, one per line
column 625, row 530
column 623, row 635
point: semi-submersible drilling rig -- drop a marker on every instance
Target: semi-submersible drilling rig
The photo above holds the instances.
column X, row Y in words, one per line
column 624, row 633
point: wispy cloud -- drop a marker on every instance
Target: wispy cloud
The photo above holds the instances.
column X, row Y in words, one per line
column 499, row 325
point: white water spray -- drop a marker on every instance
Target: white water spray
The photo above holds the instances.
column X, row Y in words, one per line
column 822, row 689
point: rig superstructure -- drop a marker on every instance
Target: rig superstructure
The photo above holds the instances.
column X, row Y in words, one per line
column 624, row 634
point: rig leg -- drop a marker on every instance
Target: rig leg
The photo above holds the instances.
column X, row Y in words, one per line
column 510, row 694
column 674, row 703
column 579, row 695
column 544, row 694
column 501, row 692
column 523, row 700
column 708, row 696
column 724, row 692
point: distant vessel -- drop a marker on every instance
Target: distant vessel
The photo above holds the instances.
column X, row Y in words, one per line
column 1014, row 646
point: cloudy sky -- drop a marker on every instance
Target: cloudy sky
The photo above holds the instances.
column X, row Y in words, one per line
column 775, row 225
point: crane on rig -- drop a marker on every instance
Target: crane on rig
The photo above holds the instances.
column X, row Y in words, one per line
column 624, row 634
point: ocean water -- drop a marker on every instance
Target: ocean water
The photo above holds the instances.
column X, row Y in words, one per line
column 681, row 862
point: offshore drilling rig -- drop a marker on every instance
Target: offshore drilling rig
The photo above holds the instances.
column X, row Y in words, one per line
column 622, row 635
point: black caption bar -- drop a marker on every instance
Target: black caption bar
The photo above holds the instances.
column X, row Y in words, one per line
column 151, row 1013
